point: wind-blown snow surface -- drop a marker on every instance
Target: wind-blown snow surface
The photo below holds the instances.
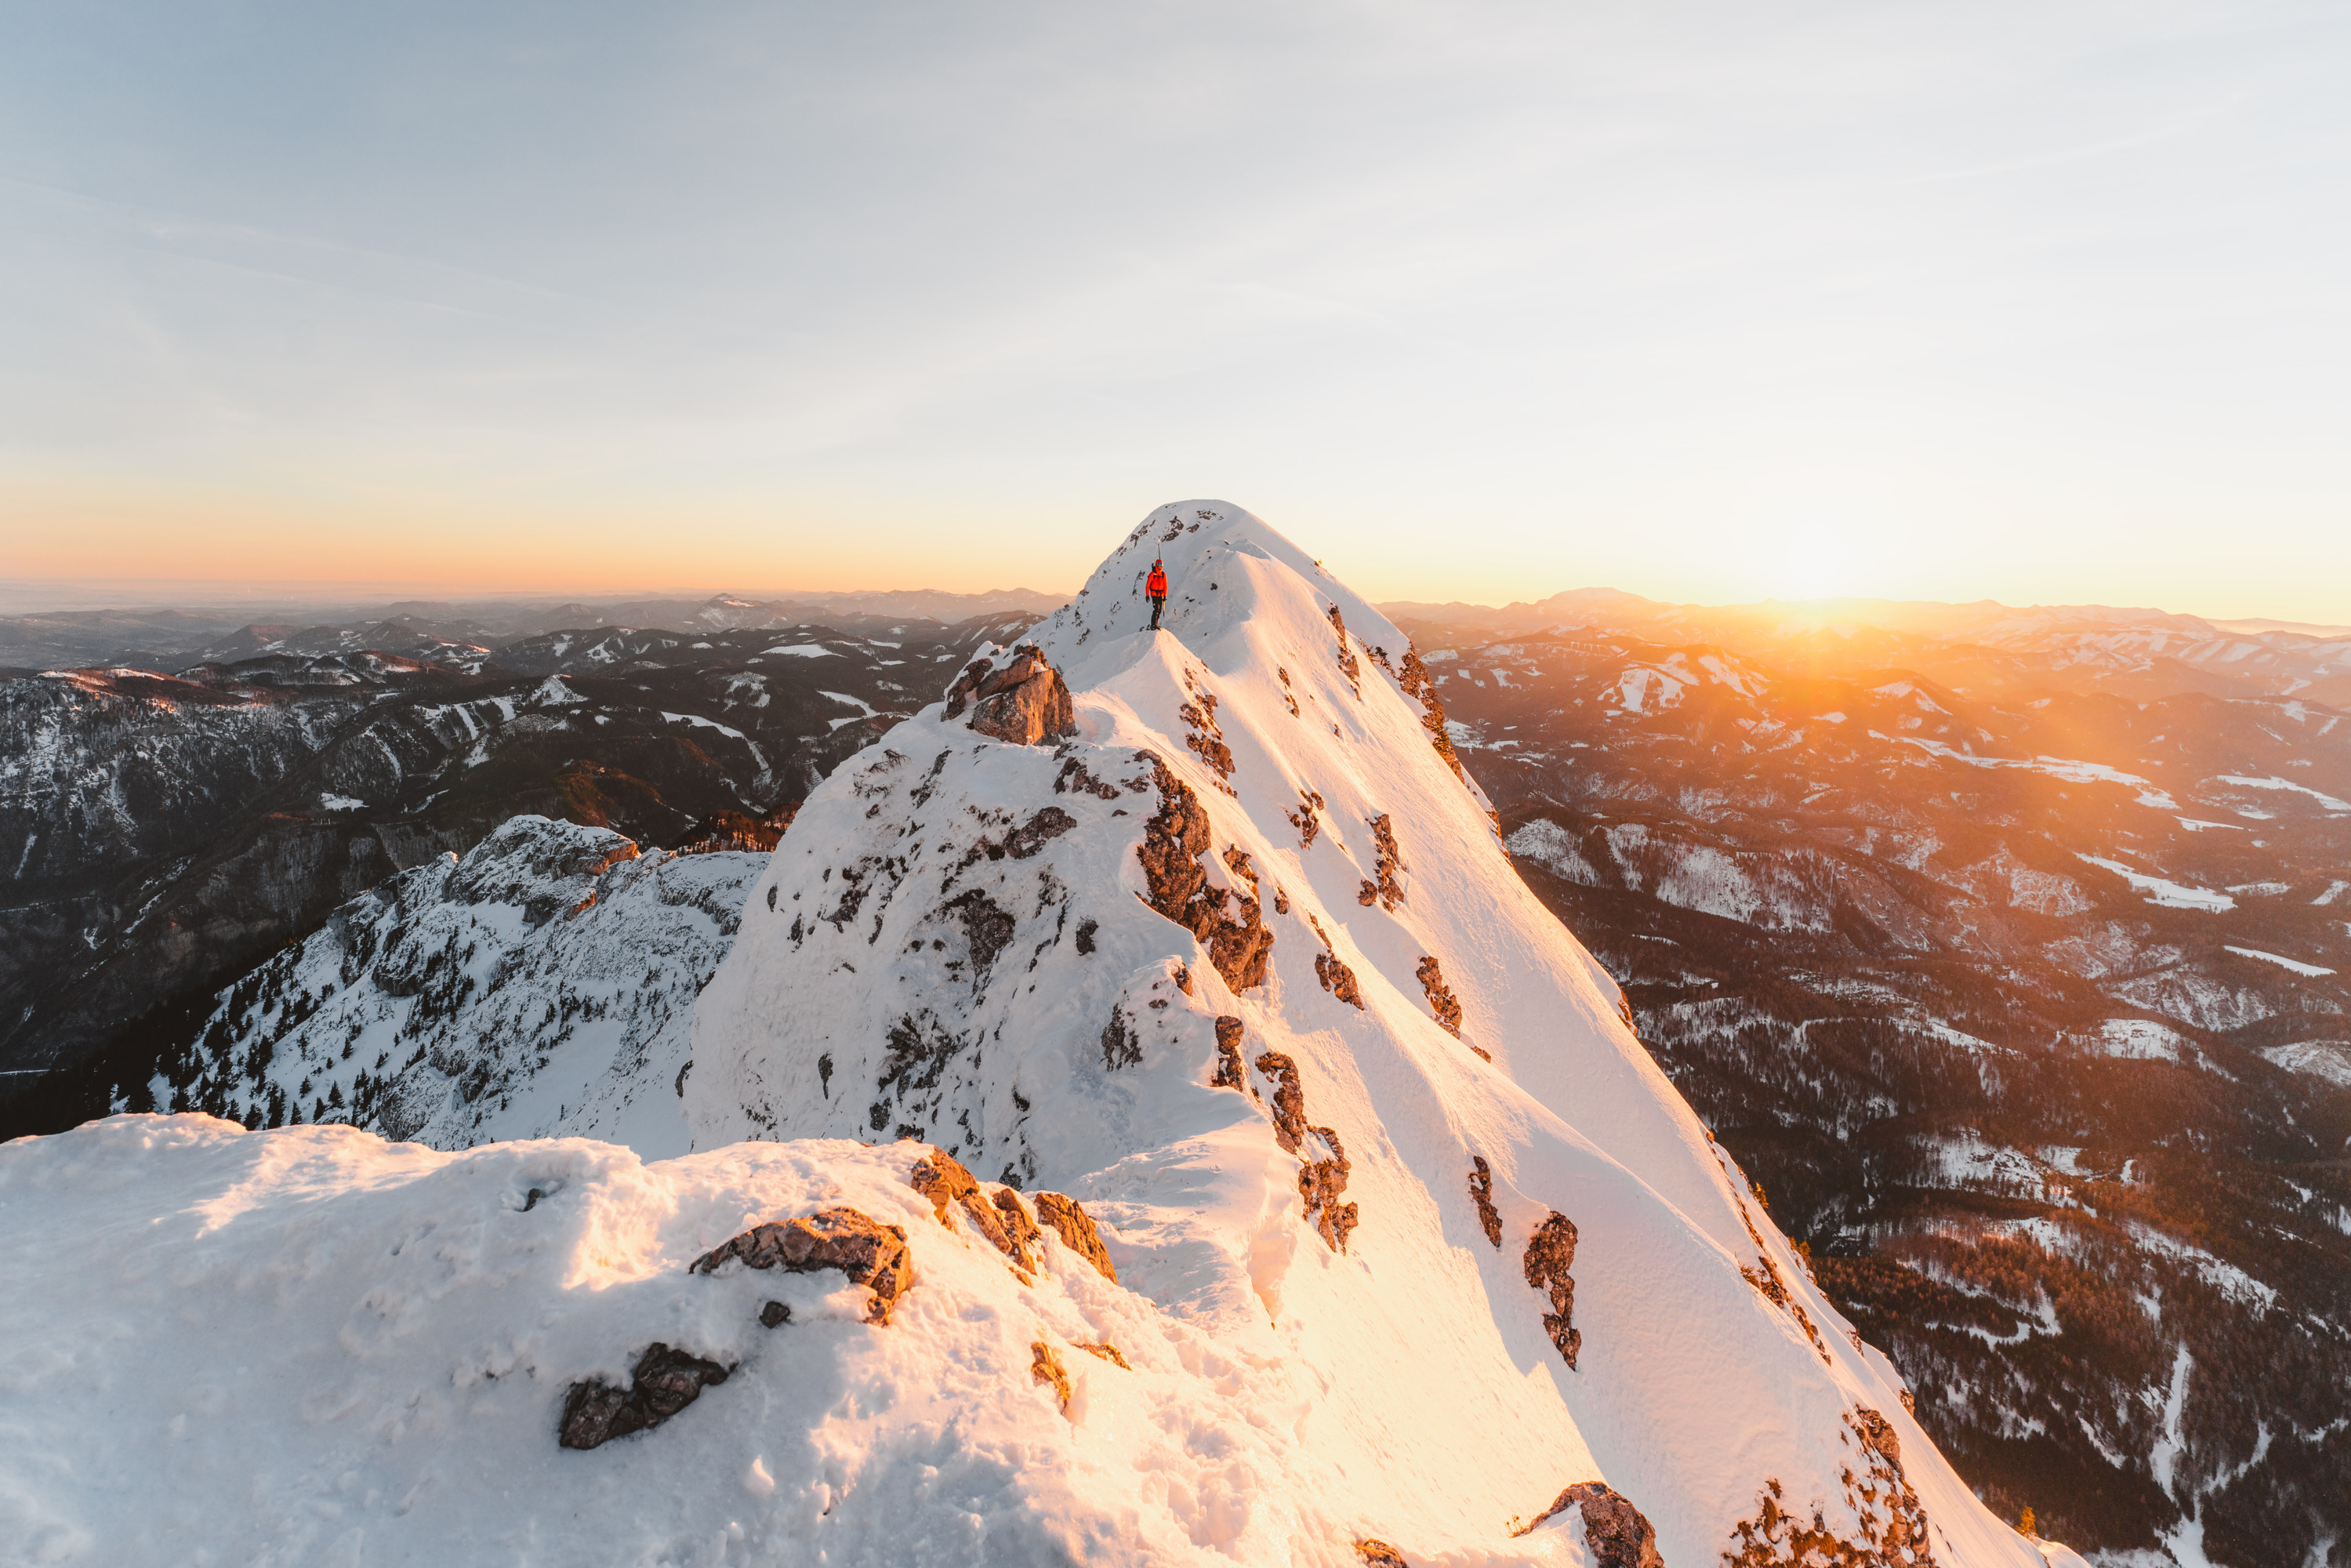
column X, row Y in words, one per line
column 954, row 943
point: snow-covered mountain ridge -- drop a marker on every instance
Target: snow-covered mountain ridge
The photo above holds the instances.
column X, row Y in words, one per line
column 1202, row 961
column 1412, row 1255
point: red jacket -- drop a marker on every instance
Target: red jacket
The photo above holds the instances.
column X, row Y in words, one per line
column 1156, row 585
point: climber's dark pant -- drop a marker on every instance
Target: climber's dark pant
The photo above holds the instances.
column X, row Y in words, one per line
column 1156, row 605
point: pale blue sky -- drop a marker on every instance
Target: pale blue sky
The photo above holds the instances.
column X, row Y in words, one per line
column 2040, row 302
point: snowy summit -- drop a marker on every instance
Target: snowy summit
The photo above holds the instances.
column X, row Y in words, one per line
column 1143, row 1117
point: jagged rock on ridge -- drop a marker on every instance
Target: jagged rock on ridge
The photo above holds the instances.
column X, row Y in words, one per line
column 1068, row 1219
column 1619, row 1534
column 1378, row 1553
column 867, row 1253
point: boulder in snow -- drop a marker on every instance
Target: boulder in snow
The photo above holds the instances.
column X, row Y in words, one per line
column 870, row 1253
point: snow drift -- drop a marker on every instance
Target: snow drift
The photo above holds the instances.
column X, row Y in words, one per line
column 1406, row 1251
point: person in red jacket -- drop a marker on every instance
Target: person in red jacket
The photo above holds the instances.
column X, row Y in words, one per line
column 1155, row 589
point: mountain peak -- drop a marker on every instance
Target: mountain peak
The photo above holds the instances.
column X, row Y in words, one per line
column 1233, row 957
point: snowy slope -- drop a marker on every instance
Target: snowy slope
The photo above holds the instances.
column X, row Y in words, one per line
column 537, row 988
column 957, row 942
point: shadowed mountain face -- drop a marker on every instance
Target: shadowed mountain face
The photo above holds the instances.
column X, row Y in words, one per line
column 2026, row 1005
column 166, row 833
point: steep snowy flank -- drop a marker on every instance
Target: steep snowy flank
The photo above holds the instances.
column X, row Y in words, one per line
column 1208, row 928
column 539, row 988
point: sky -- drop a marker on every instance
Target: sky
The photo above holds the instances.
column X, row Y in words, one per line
column 2041, row 302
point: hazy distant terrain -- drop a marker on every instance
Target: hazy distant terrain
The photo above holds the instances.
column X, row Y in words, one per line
column 166, row 832
column 2009, row 952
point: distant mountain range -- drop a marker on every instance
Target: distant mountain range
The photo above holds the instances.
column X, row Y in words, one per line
column 168, row 640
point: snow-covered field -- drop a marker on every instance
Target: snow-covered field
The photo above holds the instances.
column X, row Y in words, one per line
column 1410, row 1232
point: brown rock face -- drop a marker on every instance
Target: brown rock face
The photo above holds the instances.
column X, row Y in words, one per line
column 1023, row 1239
column 665, row 1382
column 1026, row 702
column 1441, row 999
column 1031, row 714
column 1385, row 889
column 941, row 1178
column 1231, row 926
column 871, row 1254
column 1288, row 1099
column 1229, row 1073
column 1065, row 1218
column 1104, row 1350
column 1319, row 1181
column 1550, row 1253
column 1347, row 664
column 999, row 1218
column 1203, row 736
column 1482, row 1193
column 1338, row 979
column 1414, row 678
column 1619, row 1534
column 1378, row 1553
column 1045, row 1367
column 1891, row 1531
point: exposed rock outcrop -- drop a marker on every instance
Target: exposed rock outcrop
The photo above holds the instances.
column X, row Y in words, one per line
column 1482, row 1193
column 1550, row 1253
column 1378, row 1553
column 870, row 1253
column 1319, row 1181
column 1066, row 1218
column 1383, row 889
column 999, row 1218
column 1045, row 1367
column 1230, row 926
column 665, row 1381
column 1203, row 736
column 1338, row 979
column 1619, row 1534
column 1889, row 1528
column 1413, row 676
column 1104, row 1350
column 1025, row 701
column 1229, row 1072
column 1348, row 665
column 1441, row 999
column 1025, row 1240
